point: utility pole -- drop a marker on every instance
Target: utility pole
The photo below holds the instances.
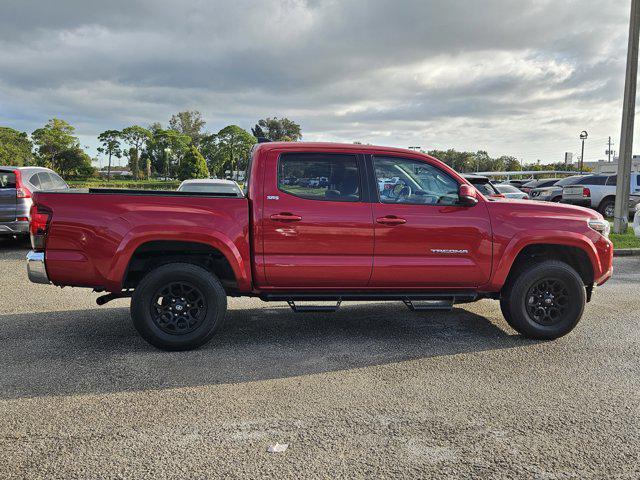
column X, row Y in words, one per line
column 621, row 216
column 609, row 152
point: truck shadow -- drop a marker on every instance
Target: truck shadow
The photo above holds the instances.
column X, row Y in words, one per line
column 98, row 351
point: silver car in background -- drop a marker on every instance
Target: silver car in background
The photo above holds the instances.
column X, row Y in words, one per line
column 510, row 191
column 553, row 193
column 211, row 185
column 16, row 186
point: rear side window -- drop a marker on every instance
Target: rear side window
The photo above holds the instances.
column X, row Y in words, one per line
column 7, row 180
column 44, row 180
column 35, row 180
column 57, row 181
column 320, row 176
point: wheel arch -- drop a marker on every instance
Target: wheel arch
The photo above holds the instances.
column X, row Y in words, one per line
column 573, row 256
column 155, row 253
column 137, row 252
column 572, row 248
column 605, row 199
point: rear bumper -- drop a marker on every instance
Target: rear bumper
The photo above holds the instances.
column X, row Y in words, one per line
column 580, row 202
column 14, row 228
column 36, row 268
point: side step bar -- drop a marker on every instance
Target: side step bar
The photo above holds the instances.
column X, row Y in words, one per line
column 314, row 308
column 415, row 301
column 427, row 305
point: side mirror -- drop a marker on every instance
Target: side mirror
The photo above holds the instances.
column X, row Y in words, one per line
column 467, row 195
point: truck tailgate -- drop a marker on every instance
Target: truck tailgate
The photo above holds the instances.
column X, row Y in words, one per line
column 573, row 192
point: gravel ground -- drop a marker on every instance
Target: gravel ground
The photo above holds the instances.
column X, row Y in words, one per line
column 371, row 391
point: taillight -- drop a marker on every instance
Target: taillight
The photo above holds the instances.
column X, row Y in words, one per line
column 38, row 226
column 21, row 190
column 586, row 192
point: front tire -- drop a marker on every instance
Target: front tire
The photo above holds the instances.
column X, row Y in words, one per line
column 544, row 301
column 178, row 306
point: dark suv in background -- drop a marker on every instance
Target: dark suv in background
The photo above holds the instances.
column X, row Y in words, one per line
column 16, row 186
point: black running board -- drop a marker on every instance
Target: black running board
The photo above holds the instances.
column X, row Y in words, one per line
column 415, row 301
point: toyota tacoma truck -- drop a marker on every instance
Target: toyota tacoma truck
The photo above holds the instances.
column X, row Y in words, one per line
column 319, row 223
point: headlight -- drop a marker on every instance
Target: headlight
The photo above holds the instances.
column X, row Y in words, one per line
column 603, row 227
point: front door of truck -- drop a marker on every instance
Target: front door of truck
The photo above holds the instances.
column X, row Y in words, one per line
column 423, row 238
column 317, row 225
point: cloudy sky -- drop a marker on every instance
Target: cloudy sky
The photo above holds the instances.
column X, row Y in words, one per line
column 517, row 77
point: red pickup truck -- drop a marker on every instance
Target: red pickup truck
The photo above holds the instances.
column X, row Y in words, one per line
column 321, row 222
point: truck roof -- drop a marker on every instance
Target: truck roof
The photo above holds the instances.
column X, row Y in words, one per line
column 320, row 146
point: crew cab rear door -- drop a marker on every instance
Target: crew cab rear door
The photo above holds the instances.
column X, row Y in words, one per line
column 423, row 238
column 8, row 197
column 317, row 226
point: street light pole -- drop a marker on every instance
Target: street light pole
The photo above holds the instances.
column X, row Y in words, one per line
column 621, row 215
column 583, row 136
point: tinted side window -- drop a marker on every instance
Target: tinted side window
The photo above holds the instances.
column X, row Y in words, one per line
column 320, row 176
column 612, row 180
column 7, row 180
column 410, row 181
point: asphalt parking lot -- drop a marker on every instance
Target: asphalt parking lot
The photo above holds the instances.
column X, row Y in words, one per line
column 371, row 391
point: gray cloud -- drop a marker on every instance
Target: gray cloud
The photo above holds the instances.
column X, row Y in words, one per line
column 520, row 78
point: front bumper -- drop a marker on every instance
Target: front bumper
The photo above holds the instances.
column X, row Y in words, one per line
column 36, row 268
column 14, row 228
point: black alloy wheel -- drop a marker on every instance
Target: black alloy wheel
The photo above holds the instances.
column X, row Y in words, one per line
column 547, row 301
column 178, row 308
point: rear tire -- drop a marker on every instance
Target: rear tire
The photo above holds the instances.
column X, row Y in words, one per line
column 178, row 306
column 607, row 208
column 544, row 301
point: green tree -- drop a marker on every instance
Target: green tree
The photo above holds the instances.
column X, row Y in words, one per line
column 278, row 129
column 110, row 141
column 189, row 123
column 56, row 137
column 193, row 165
column 229, row 148
column 165, row 149
column 15, row 147
column 136, row 137
column 511, row 164
column 459, row 161
column 75, row 162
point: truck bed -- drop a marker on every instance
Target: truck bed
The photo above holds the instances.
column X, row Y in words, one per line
column 94, row 232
